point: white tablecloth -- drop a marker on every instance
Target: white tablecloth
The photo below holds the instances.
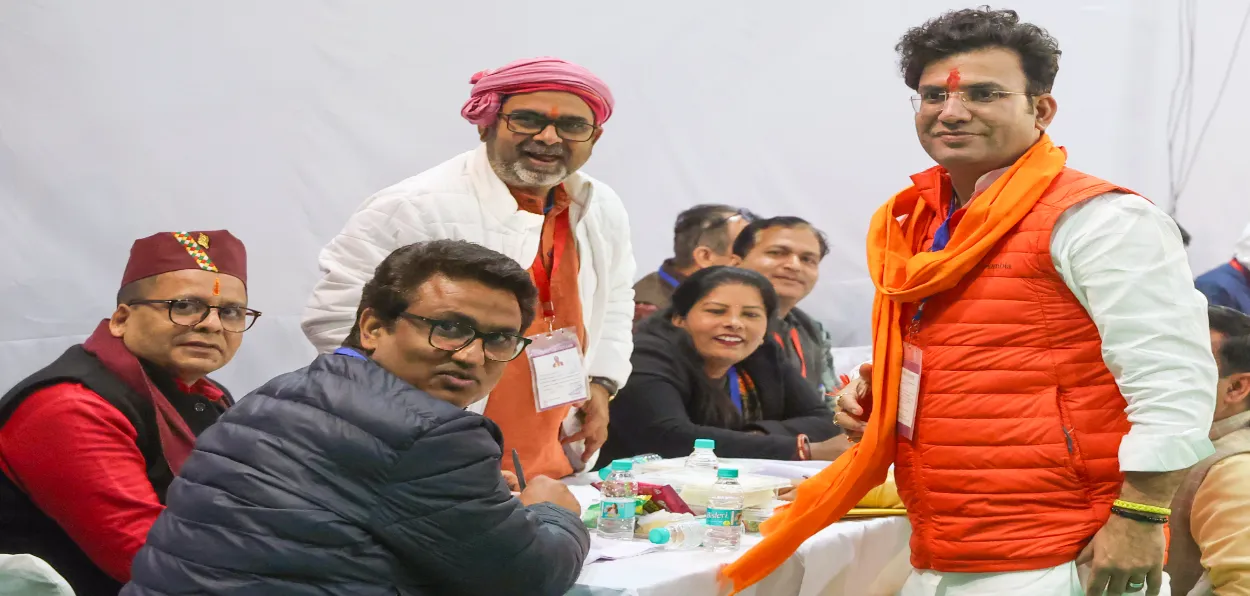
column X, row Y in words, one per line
column 845, row 558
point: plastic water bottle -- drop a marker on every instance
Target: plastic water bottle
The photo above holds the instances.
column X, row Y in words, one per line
column 616, row 509
column 686, row 535
column 724, row 512
column 704, row 457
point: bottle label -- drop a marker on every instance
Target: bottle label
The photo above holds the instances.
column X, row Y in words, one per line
column 724, row 517
column 617, row 508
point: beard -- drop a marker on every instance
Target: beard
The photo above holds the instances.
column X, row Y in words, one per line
column 516, row 170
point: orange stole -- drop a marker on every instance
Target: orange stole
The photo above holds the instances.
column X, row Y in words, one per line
column 536, row 435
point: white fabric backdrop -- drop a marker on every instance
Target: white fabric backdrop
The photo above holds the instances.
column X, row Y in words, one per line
column 276, row 119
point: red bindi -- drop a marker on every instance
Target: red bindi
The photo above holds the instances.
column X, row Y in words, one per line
column 952, row 81
column 553, row 113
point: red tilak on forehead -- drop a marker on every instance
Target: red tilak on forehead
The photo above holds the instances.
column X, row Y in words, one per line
column 553, row 113
column 952, row 81
column 217, row 286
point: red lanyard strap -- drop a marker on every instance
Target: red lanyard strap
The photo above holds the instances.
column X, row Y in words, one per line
column 542, row 274
column 798, row 348
column 1242, row 268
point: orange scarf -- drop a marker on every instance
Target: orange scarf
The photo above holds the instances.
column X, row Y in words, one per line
column 903, row 273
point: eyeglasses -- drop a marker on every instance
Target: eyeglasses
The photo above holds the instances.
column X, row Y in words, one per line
column 720, row 222
column 529, row 123
column 973, row 99
column 190, row 312
column 453, row 336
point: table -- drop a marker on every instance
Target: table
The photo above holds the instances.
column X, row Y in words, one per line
column 844, row 558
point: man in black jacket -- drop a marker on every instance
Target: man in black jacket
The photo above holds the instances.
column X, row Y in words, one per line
column 788, row 251
column 90, row 443
column 363, row 474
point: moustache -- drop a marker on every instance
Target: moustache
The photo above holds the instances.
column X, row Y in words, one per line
column 541, row 149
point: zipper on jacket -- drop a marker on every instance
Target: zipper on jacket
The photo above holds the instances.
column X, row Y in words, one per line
column 1067, row 437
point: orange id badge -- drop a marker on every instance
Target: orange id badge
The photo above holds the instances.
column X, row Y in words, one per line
column 909, row 389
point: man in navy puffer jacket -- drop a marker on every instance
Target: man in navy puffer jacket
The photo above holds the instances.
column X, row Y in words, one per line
column 362, row 474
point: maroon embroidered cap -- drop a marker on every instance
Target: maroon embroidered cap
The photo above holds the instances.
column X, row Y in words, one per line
column 215, row 250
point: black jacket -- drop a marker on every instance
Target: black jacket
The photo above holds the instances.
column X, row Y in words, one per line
column 656, row 412
column 340, row 478
column 26, row 529
column 817, row 357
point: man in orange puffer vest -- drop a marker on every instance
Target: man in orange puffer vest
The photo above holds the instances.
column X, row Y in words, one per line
column 1042, row 375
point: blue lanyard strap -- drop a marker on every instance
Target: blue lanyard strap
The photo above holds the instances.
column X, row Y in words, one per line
column 668, row 279
column 350, row 352
column 735, row 390
column 941, row 238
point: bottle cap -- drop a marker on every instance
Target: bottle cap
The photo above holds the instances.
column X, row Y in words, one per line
column 621, row 465
column 727, row 473
column 704, row 444
column 660, row 536
column 604, row 472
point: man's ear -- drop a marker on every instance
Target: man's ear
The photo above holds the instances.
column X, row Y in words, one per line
column 1047, row 107
column 595, row 139
column 117, row 323
column 704, row 257
column 679, row 321
column 1238, row 388
column 483, row 133
column 371, row 328
column 735, row 261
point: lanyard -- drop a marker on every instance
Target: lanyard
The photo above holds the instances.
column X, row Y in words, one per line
column 735, row 390
column 542, row 275
column 668, row 279
column 798, row 348
column 350, row 352
column 941, row 238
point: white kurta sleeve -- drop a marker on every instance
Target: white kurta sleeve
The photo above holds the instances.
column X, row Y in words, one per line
column 617, row 344
column 1123, row 259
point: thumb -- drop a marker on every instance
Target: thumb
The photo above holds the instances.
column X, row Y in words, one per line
column 1087, row 554
column 865, row 371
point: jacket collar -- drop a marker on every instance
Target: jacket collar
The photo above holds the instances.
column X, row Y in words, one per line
column 1229, row 425
column 497, row 200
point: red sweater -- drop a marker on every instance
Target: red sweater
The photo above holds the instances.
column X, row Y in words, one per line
column 75, row 456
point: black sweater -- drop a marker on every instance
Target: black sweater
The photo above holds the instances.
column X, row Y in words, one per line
column 658, row 412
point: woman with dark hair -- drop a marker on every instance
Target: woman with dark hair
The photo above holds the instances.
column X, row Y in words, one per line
column 702, row 370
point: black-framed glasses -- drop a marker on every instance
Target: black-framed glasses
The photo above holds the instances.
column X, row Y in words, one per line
column 530, row 123
column 453, row 336
column 190, row 312
column 971, row 98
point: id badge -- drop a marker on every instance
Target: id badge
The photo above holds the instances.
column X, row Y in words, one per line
column 556, row 368
column 909, row 390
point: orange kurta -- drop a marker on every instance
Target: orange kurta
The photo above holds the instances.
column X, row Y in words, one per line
column 536, row 435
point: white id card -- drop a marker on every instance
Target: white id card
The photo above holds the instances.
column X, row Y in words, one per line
column 556, row 367
column 909, row 390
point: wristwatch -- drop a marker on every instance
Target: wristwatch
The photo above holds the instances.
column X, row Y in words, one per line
column 608, row 384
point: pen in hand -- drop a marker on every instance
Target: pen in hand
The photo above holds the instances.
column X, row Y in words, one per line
column 520, row 474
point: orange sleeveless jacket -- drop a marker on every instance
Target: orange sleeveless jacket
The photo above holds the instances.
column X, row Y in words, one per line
column 1014, row 462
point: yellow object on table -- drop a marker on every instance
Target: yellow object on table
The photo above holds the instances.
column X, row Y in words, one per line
column 880, row 501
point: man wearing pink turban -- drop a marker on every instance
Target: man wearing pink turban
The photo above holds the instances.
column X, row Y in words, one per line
column 520, row 193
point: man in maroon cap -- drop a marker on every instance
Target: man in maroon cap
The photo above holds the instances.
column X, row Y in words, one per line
column 89, row 444
column 521, row 193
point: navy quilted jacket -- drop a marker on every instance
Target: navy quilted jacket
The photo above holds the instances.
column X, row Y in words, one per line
column 340, row 478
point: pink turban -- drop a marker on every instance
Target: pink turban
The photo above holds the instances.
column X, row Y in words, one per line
column 531, row 75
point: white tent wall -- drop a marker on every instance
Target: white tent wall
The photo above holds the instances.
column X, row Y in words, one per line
column 275, row 119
